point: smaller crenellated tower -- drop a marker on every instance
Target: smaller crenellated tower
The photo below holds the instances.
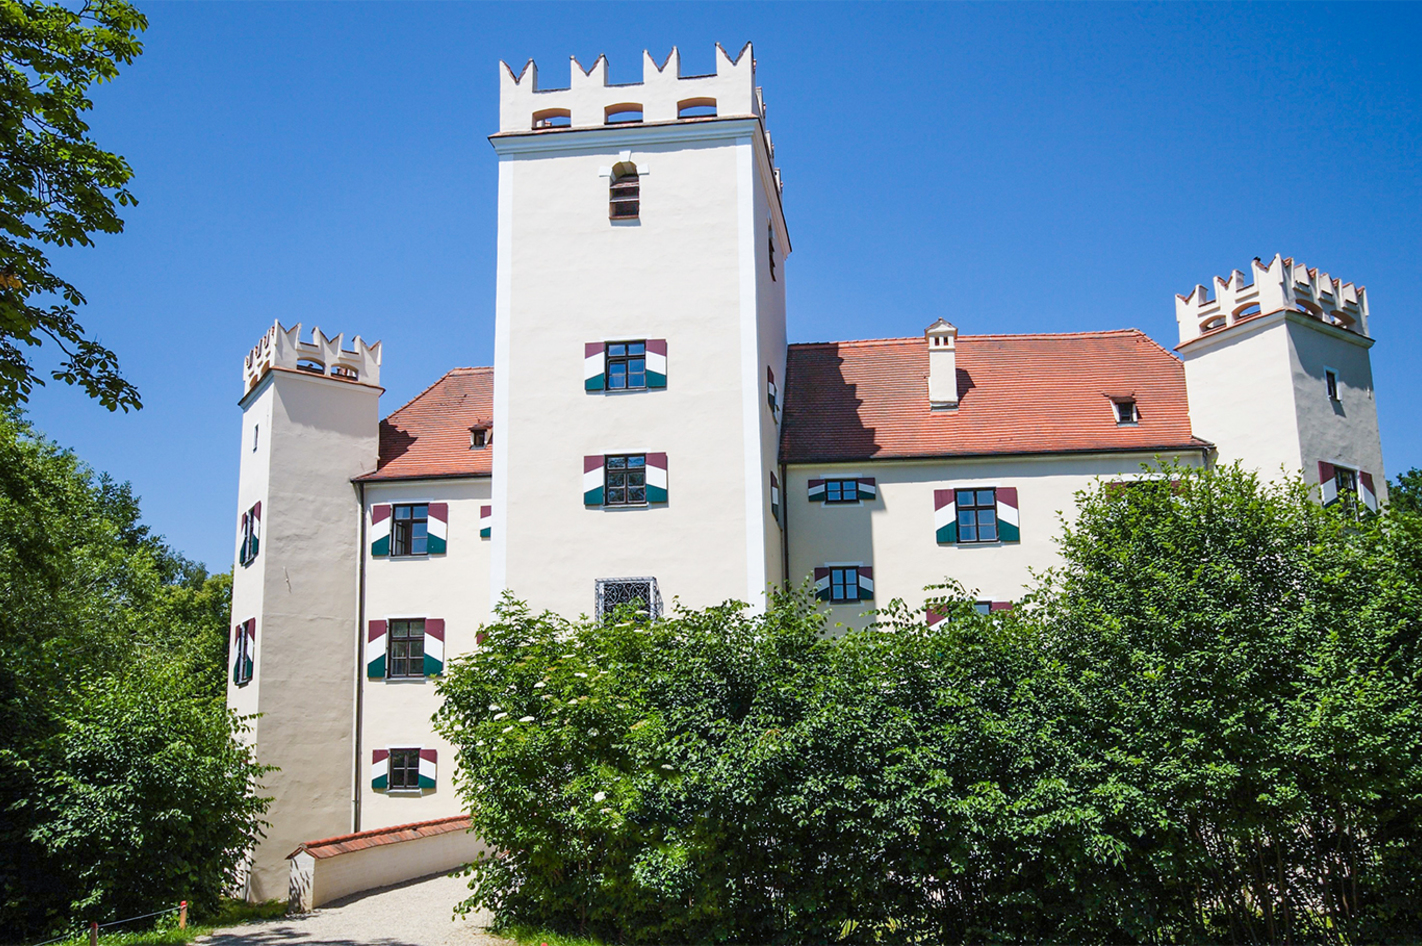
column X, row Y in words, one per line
column 1279, row 376
column 309, row 425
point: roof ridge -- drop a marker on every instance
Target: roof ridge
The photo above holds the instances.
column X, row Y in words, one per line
column 1100, row 333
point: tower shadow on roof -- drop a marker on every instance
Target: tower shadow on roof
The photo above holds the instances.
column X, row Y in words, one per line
column 822, row 408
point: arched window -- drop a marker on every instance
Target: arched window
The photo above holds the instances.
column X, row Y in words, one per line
column 623, row 192
column 696, row 108
column 552, row 118
column 623, row 113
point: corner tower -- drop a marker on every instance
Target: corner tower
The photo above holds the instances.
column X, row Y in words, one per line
column 1279, row 376
column 639, row 338
column 309, row 425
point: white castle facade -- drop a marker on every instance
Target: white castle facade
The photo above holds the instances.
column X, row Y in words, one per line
column 646, row 432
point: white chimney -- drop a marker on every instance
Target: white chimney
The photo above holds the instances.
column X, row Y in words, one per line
column 942, row 364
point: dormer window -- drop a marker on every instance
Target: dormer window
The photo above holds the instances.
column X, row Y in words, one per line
column 624, row 193
column 478, row 438
column 1125, row 409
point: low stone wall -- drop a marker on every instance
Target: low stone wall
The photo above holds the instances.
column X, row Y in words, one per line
column 326, row 870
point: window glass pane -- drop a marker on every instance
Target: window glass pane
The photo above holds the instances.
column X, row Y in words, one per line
column 636, row 348
column 636, row 494
column 418, row 546
column 982, row 607
column 964, row 498
column 636, row 373
column 987, row 525
column 402, row 512
column 421, row 512
column 617, row 463
column 616, row 351
column 617, row 375
column 985, row 497
column 637, row 461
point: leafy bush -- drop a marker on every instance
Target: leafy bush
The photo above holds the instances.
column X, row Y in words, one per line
column 1204, row 725
column 121, row 786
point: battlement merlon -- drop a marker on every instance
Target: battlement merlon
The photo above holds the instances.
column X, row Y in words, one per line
column 322, row 356
column 589, row 101
column 1280, row 285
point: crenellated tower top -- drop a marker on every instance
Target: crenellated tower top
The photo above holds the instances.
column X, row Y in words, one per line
column 328, row 357
column 1280, row 285
column 663, row 95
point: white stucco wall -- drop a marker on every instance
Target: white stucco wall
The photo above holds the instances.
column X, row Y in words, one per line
column 894, row 534
column 1241, row 391
column 453, row 586
column 683, row 272
column 1257, row 391
column 318, row 881
column 319, row 433
column 1342, row 432
column 771, row 344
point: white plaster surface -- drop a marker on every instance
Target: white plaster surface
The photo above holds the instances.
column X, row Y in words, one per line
column 679, row 273
column 453, row 586
column 333, row 878
column 319, row 433
column 1241, row 394
column 894, row 534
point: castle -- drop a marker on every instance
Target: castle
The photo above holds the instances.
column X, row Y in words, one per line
column 647, row 433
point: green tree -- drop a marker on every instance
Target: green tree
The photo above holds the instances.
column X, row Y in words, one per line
column 1203, row 726
column 57, row 186
column 1242, row 672
column 1404, row 494
column 107, row 639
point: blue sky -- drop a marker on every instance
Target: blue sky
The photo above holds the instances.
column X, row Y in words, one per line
column 1012, row 167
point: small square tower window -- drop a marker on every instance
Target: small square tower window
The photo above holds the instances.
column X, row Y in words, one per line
column 626, row 365
column 625, row 480
column 1330, row 381
column 641, row 593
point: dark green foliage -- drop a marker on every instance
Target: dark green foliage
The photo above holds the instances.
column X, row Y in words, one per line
column 1404, row 494
column 1203, row 727
column 57, row 186
column 121, row 784
column 1242, row 674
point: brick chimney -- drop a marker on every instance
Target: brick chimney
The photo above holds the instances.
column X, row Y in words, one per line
column 942, row 365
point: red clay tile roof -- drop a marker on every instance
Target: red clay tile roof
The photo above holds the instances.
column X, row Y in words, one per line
column 345, row 843
column 429, row 436
column 867, row 400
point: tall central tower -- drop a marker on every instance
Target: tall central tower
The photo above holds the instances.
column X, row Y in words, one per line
column 639, row 339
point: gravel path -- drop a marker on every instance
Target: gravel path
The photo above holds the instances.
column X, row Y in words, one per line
column 416, row 913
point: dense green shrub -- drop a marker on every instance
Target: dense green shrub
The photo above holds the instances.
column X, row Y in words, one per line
column 1203, row 726
column 122, row 786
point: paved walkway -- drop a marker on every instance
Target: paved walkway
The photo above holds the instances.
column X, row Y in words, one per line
column 417, row 913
